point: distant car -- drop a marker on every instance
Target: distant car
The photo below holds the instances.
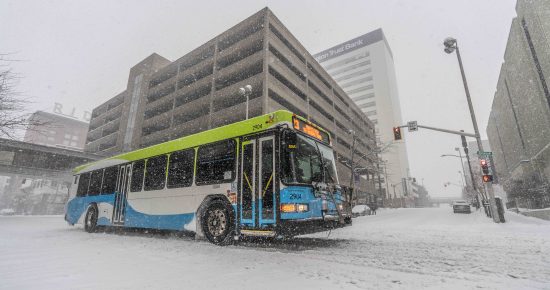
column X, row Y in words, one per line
column 461, row 206
column 7, row 211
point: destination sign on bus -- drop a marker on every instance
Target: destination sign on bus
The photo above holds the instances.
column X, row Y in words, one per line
column 310, row 130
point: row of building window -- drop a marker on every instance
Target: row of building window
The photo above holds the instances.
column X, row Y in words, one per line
column 241, row 34
column 215, row 163
column 206, row 71
column 303, row 96
column 356, row 73
column 319, row 92
column 346, row 61
column 363, row 97
column 356, row 82
column 360, row 89
column 367, row 105
column 193, row 60
column 287, row 43
column 285, row 61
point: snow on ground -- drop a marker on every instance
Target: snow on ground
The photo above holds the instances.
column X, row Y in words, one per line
column 396, row 249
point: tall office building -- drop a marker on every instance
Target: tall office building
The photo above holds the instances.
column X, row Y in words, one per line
column 518, row 127
column 165, row 100
column 363, row 67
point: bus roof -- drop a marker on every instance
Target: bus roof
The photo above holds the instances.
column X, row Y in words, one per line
column 245, row 127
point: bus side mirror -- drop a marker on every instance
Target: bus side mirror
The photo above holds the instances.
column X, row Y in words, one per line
column 291, row 139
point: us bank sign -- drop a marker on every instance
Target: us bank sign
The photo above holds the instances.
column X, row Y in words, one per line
column 339, row 50
column 358, row 42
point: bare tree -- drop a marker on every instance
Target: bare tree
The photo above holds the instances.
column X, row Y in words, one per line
column 13, row 117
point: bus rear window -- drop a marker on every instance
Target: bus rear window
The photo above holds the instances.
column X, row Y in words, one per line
column 216, row 163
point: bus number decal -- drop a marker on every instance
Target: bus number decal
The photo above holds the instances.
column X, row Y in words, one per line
column 295, row 196
column 257, row 127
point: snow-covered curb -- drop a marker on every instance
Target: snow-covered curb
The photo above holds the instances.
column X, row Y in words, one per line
column 538, row 213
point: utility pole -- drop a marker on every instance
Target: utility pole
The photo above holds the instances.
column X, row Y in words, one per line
column 451, row 45
column 352, row 177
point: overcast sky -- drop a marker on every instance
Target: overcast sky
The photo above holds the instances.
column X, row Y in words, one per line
column 79, row 53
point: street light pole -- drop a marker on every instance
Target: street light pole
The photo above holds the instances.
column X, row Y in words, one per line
column 245, row 91
column 451, row 45
column 462, row 163
column 352, row 180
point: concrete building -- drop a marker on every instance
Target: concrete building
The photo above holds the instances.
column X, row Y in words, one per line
column 165, row 100
column 56, row 130
column 364, row 68
column 519, row 123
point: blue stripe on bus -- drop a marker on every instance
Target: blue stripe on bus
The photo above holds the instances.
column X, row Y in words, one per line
column 78, row 205
column 135, row 219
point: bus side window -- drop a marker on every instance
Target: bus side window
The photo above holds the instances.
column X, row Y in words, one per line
column 216, row 163
column 155, row 173
column 83, row 183
column 109, row 180
column 180, row 168
column 137, row 175
column 95, row 182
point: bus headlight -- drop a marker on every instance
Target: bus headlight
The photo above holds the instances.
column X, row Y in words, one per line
column 294, row 207
column 301, row 207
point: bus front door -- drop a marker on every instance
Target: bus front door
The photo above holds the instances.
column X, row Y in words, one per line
column 257, row 200
column 121, row 195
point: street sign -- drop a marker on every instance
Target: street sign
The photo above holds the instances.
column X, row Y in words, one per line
column 413, row 126
column 485, row 154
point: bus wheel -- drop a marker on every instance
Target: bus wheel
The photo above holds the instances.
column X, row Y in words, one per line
column 90, row 221
column 217, row 224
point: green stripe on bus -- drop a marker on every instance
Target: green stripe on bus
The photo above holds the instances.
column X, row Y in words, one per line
column 245, row 127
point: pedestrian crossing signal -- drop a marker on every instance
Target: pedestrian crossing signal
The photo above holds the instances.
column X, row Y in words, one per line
column 397, row 133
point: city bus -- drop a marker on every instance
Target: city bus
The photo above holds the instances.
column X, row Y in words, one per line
column 272, row 176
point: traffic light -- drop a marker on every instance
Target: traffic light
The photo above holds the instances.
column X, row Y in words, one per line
column 487, row 177
column 484, row 166
column 397, row 133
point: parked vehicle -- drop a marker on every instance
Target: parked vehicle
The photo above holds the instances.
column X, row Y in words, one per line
column 7, row 211
column 461, row 206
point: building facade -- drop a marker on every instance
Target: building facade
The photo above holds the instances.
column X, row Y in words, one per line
column 364, row 69
column 56, row 130
column 519, row 122
column 165, row 100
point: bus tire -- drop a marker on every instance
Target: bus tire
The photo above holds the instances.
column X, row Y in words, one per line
column 90, row 220
column 217, row 223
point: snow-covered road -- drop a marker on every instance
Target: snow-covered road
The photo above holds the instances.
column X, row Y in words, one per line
column 397, row 249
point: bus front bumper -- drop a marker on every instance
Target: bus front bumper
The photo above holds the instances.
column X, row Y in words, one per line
column 312, row 225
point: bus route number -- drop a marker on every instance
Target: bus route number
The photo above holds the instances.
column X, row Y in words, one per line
column 295, row 196
column 257, row 127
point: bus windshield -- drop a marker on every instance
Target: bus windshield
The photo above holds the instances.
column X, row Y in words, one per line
column 309, row 162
